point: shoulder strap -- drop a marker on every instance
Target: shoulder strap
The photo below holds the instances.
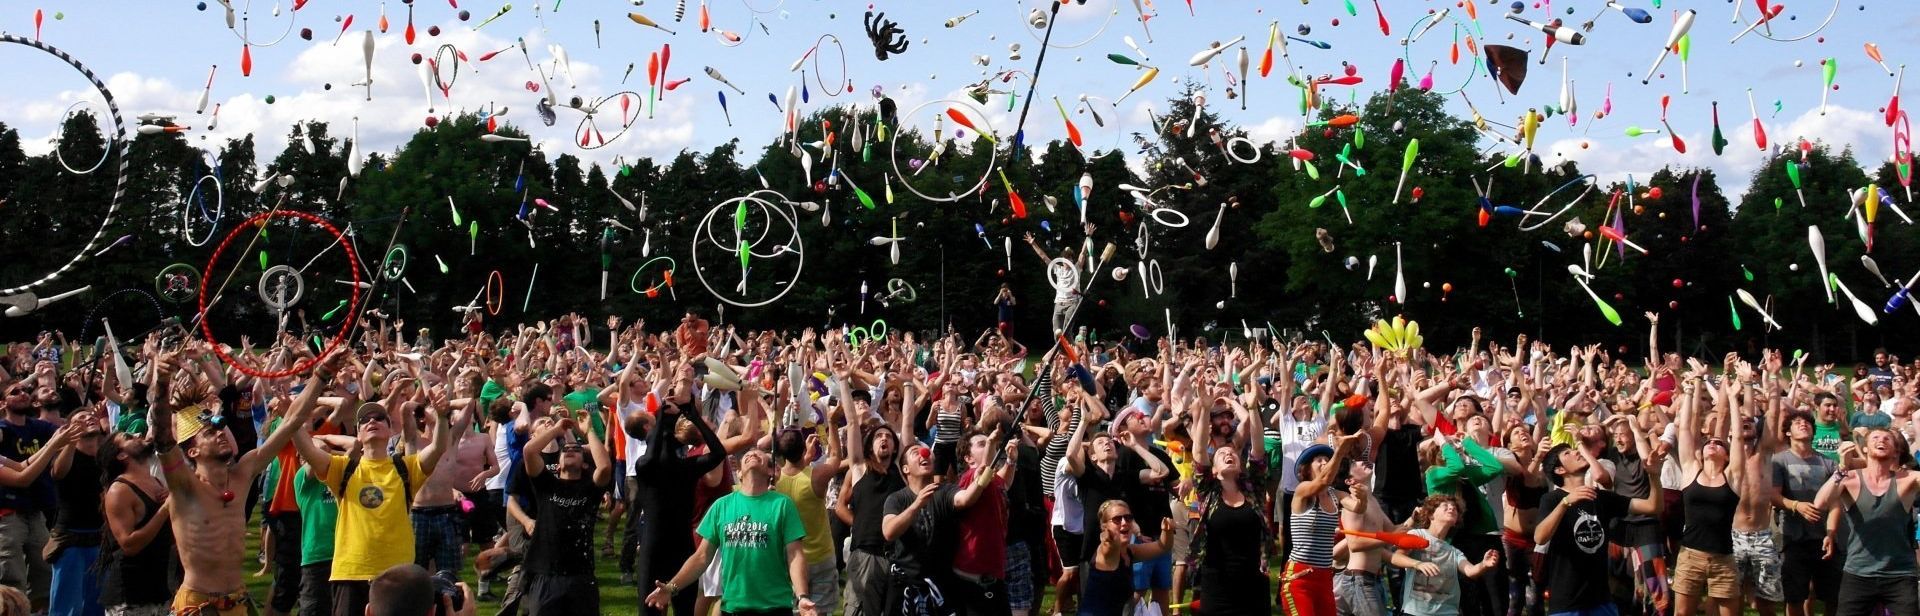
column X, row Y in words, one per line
column 346, row 475
column 399, row 466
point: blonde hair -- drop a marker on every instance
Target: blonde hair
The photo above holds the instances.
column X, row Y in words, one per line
column 1109, row 506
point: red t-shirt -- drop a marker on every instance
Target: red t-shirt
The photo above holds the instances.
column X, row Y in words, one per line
column 982, row 549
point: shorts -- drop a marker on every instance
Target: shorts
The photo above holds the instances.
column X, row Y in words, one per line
column 188, row 602
column 1019, row 577
column 1804, row 574
column 1702, row 574
column 620, row 488
column 823, row 586
column 1356, row 592
column 316, row 592
column 867, row 581
column 1601, row 610
column 1756, row 555
column 439, row 538
column 710, row 585
column 1069, row 546
column 351, row 597
column 561, row 594
column 157, row 609
column 1153, row 574
column 1183, row 536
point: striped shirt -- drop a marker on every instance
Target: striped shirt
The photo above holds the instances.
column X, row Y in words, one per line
column 1313, row 536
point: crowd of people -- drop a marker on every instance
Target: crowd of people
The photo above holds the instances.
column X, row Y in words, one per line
column 814, row 472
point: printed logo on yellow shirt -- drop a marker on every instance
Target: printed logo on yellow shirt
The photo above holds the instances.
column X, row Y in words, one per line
column 372, row 497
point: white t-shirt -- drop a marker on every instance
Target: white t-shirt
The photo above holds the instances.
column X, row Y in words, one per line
column 1067, row 295
column 1067, row 512
column 636, row 447
column 1296, row 435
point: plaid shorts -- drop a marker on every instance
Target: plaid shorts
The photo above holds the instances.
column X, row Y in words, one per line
column 1019, row 577
column 439, row 535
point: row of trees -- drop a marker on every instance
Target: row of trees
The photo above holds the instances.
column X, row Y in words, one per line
column 954, row 253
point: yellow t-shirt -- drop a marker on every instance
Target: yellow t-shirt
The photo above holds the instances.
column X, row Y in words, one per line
column 374, row 530
column 818, row 544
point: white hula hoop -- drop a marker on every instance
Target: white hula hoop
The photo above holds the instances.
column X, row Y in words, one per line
column 187, row 209
column 1245, row 161
column 795, row 247
column 993, row 162
column 1184, row 221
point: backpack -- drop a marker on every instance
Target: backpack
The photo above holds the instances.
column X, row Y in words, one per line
column 399, row 466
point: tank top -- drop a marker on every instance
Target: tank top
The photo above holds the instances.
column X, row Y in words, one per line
column 1881, row 544
column 1709, row 517
column 813, row 514
column 1234, row 537
column 1313, row 536
column 136, row 579
column 1106, row 593
column 501, row 454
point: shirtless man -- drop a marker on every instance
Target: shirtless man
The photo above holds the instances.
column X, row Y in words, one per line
column 204, row 514
column 1756, row 551
column 1357, row 590
column 436, row 505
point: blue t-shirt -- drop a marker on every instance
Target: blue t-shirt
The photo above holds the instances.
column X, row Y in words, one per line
column 19, row 442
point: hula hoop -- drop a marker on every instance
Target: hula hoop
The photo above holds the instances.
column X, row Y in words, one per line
column 186, row 212
column 587, row 123
column 94, row 313
column 796, row 247
column 453, row 55
column 280, row 299
column 246, row 25
column 395, row 264
column 750, row 7
column 1063, row 275
column 63, row 133
column 893, row 148
column 1184, row 221
column 1592, row 181
column 1037, row 38
column 666, row 277
column 495, row 303
column 117, row 135
column 1228, row 150
column 1142, row 241
column 1406, row 50
column 206, row 329
column 1159, row 279
column 845, row 84
column 1738, row 17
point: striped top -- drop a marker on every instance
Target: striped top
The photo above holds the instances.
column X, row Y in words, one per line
column 1313, row 536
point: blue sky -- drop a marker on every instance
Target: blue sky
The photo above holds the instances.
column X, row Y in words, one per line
column 156, row 56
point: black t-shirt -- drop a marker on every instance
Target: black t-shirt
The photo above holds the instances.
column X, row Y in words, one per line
column 1578, row 549
column 1149, row 502
column 565, row 512
column 868, row 500
column 1630, row 480
column 930, row 540
column 1026, row 511
column 1398, row 466
column 80, row 494
column 1097, row 487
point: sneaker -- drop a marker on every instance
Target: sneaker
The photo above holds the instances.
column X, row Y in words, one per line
column 626, row 578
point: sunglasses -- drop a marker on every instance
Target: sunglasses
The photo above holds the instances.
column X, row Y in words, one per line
column 17, row 391
column 1120, row 519
column 373, row 418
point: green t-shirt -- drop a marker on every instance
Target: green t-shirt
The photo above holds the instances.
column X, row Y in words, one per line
column 753, row 533
column 589, row 400
column 1826, row 439
column 317, row 513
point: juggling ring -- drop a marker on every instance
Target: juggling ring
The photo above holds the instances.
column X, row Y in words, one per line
column 353, row 260
column 1115, row 117
column 893, row 149
column 1592, row 181
column 104, row 153
column 1738, row 17
column 1030, row 30
column 495, row 300
column 797, row 248
column 587, row 122
column 1184, row 221
column 1153, row 273
column 1228, row 150
column 219, row 209
column 845, row 84
column 176, row 283
column 452, row 54
column 117, row 136
column 1142, row 241
column 898, row 288
column 1406, row 50
column 1063, row 275
column 278, row 296
column 395, row 264
column 666, row 277
column 861, row 335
